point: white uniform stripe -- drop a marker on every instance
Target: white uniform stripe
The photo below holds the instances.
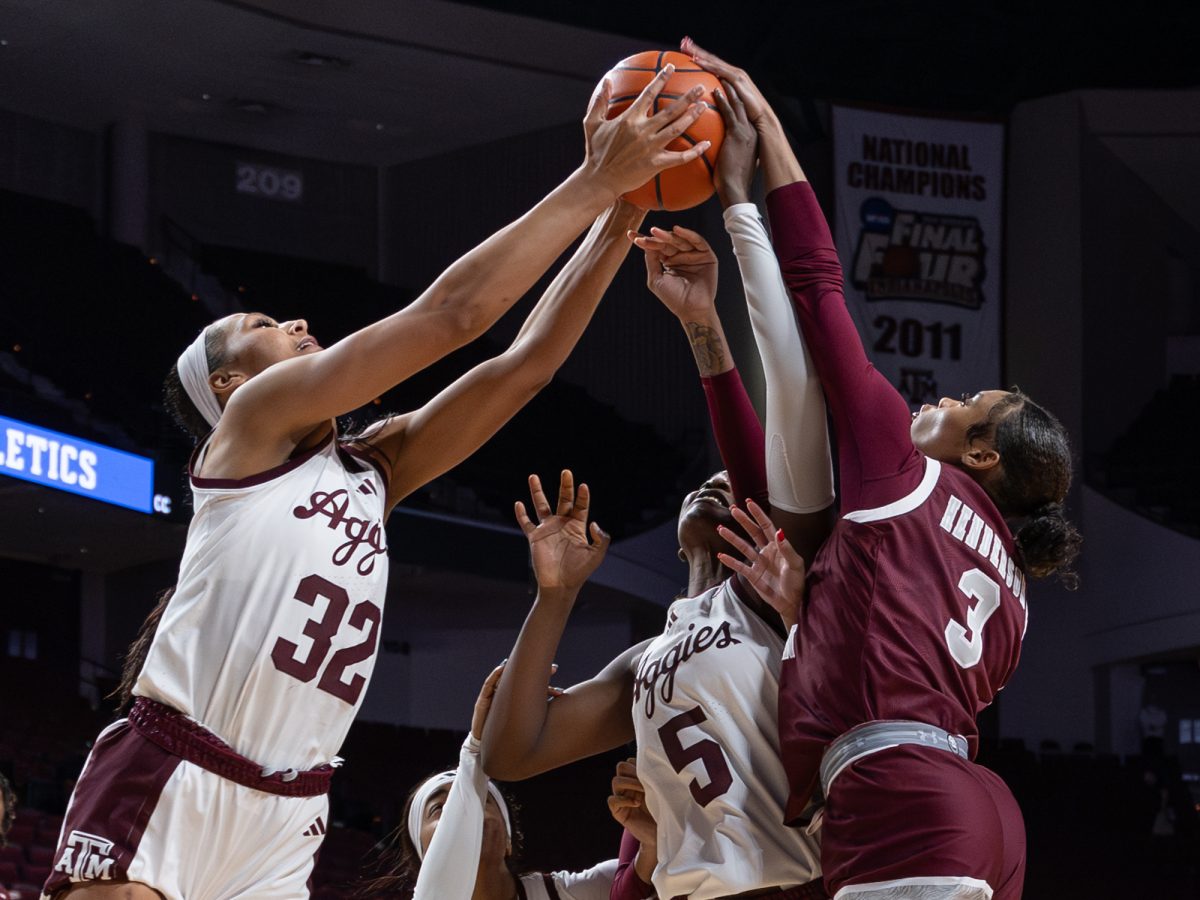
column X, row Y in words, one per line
column 905, row 504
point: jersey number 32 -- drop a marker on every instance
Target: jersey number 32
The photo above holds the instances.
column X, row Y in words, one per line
column 364, row 615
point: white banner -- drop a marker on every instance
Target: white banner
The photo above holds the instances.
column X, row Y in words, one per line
column 918, row 227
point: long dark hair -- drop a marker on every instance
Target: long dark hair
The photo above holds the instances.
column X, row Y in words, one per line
column 175, row 398
column 396, row 858
column 135, row 656
column 1035, row 473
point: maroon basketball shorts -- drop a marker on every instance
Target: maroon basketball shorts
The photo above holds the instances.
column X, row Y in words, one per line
column 919, row 822
column 163, row 802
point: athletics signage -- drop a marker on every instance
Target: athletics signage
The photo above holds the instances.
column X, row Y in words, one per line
column 918, row 229
column 81, row 467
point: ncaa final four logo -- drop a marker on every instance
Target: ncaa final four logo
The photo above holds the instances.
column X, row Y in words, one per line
column 909, row 255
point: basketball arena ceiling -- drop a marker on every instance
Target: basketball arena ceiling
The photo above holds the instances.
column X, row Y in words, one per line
column 384, row 81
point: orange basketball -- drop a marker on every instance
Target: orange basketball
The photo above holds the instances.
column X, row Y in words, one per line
column 683, row 186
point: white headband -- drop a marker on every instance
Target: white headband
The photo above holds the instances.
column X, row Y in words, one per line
column 192, row 366
column 416, row 811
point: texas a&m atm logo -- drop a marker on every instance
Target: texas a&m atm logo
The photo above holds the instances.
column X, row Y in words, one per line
column 908, row 255
column 86, row 857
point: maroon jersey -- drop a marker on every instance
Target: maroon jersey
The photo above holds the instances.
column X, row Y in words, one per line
column 915, row 607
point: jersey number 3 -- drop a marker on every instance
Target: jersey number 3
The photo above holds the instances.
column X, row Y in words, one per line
column 322, row 631
column 707, row 751
column 986, row 594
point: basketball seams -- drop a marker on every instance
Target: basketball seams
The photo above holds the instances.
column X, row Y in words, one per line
column 676, row 188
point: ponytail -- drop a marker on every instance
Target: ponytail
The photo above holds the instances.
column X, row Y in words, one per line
column 1035, row 473
column 1049, row 544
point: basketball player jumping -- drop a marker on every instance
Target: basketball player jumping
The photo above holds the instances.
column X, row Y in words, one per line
column 916, row 605
column 701, row 697
column 215, row 786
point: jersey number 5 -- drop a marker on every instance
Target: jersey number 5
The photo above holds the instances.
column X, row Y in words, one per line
column 322, row 632
column 707, row 751
column 986, row 592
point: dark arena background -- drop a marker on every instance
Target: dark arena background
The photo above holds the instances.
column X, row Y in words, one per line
column 167, row 162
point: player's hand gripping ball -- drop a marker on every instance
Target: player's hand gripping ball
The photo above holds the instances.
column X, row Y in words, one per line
column 683, row 186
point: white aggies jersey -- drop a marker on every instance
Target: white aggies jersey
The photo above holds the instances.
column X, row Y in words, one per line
column 270, row 637
column 704, row 712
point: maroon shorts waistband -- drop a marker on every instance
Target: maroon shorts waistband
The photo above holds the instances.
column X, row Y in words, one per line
column 813, row 890
column 189, row 740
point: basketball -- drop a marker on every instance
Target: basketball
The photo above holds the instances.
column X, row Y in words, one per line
column 683, row 186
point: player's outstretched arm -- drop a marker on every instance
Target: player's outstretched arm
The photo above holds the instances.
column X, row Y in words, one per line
column 421, row 445
column 681, row 271
column 524, row 734
column 287, row 400
column 799, row 468
column 870, row 417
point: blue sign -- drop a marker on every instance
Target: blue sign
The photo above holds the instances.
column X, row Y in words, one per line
column 75, row 465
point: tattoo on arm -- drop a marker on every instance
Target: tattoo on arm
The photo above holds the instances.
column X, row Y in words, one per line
column 707, row 347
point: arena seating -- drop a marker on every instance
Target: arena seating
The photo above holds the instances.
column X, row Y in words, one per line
column 1079, row 806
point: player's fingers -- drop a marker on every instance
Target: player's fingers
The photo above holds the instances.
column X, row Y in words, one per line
column 674, row 239
column 710, row 62
column 638, row 108
column 583, row 497
column 664, row 249
column 692, row 237
column 724, row 107
column 794, row 559
column 541, row 505
column 690, row 258
column 654, row 267
column 598, row 106
column 736, row 103
column 753, row 529
column 668, row 159
column 601, row 538
column 738, row 566
column 566, row 492
column 741, row 546
column 760, row 517
column 523, row 520
column 675, row 128
column 489, row 683
column 628, row 787
column 676, row 108
column 627, row 767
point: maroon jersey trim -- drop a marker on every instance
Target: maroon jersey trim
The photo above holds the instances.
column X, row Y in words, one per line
column 254, row 480
column 905, row 504
column 110, row 809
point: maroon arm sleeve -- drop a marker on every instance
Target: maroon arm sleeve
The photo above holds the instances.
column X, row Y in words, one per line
column 878, row 463
column 628, row 885
column 739, row 436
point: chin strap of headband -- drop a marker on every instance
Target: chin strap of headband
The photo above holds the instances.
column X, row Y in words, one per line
column 192, row 366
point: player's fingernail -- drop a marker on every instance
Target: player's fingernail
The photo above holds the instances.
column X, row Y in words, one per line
column 779, row 535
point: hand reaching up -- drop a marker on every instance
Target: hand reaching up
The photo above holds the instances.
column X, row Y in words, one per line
column 771, row 565
column 625, row 152
column 681, row 271
column 563, row 557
